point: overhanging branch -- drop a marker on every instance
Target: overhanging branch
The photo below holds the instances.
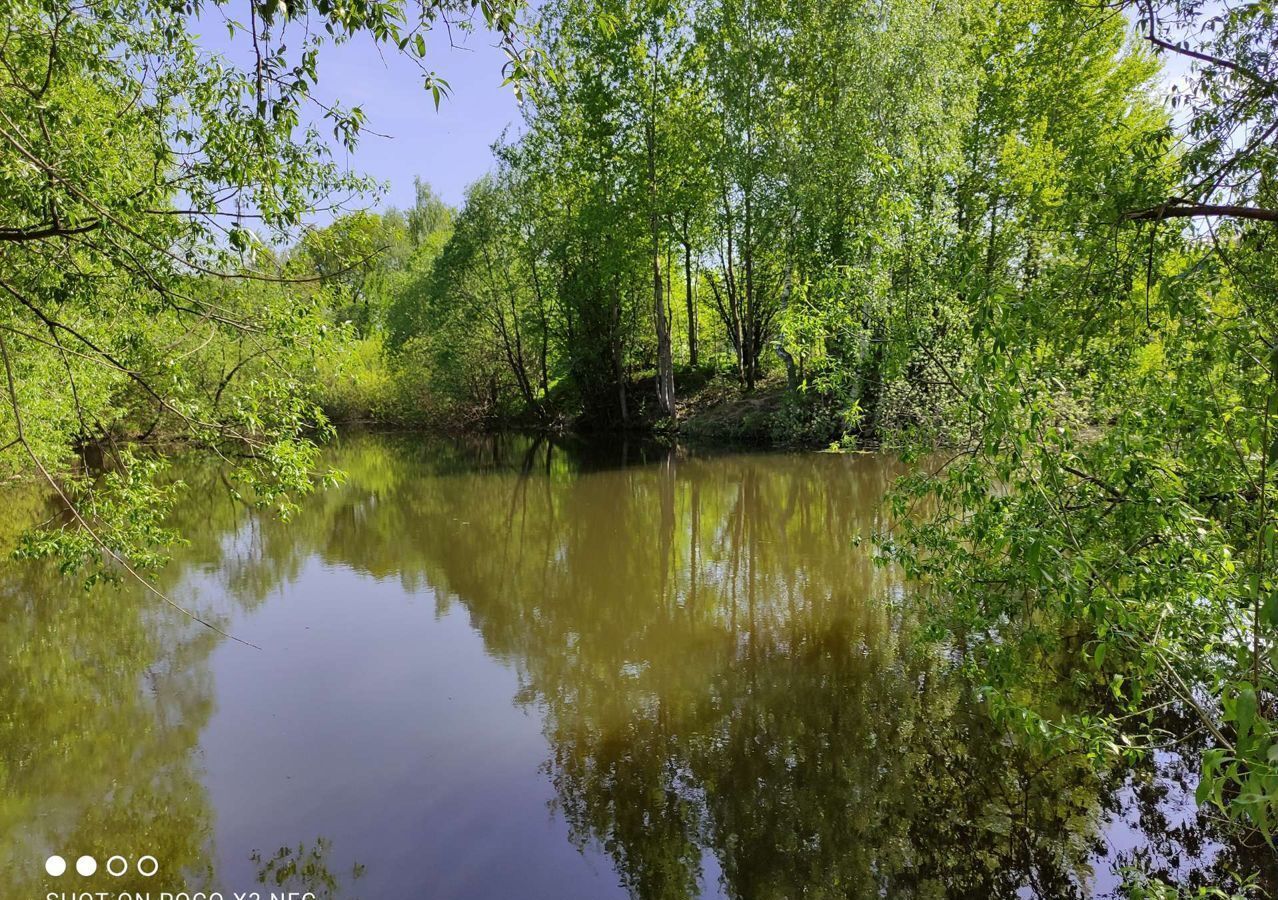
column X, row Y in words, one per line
column 42, row 232
column 1201, row 210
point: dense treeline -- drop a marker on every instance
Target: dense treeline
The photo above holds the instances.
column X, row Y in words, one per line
column 821, row 196
column 983, row 226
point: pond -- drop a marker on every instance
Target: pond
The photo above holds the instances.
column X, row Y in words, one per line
column 508, row 668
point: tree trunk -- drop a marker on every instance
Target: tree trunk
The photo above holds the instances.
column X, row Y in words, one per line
column 749, row 353
column 688, row 295
column 618, row 358
column 791, row 371
column 665, row 360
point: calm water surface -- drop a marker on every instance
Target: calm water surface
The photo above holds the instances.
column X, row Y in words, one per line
column 506, row 669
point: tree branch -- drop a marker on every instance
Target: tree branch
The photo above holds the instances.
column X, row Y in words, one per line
column 1179, row 210
column 41, row 232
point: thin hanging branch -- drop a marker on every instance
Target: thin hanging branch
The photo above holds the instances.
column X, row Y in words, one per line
column 21, row 440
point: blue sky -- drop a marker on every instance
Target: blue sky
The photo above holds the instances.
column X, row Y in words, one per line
column 449, row 148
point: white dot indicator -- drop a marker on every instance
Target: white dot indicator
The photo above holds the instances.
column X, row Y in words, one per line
column 117, row 866
column 86, row 865
column 145, row 863
column 55, row 865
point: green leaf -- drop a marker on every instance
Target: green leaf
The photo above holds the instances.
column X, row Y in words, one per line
column 1245, row 709
column 1269, row 612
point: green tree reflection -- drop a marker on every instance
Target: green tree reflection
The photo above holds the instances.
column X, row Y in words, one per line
column 102, row 698
column 722, row 671
column 730, row 688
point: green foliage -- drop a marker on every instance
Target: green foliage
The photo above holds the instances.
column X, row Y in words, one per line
column 829, row 190
column 1139, row 887
column 1107, row 523
column 970, row 226
column 128, row 508
column 144, row 183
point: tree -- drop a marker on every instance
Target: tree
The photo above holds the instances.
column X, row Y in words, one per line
column 743, row 53
column 142, row 180
column 476, row 315
column 1113, row 501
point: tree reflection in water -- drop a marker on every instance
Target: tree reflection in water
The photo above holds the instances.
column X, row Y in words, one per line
column 729, row 685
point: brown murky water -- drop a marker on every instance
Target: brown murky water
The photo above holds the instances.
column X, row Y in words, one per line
column 509, row 669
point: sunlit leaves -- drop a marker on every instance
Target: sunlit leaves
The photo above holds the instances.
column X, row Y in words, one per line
column 146, row 186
